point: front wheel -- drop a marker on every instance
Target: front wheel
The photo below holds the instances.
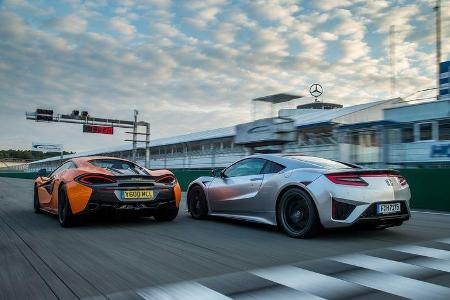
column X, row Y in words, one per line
column 196, row 201
column 297, row 214
column 36, row 204
column 65, row 216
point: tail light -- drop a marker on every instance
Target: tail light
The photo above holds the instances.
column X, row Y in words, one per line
column 356, row 179
column 347, row 179
column 95, row 179
column 167, row 179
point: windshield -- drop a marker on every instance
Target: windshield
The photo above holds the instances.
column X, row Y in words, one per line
column 118, row 166
column 322, row 162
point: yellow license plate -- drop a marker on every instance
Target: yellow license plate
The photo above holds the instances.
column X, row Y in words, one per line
column 144, row 194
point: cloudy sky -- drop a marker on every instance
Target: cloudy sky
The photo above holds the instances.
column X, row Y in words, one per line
column 194, row 65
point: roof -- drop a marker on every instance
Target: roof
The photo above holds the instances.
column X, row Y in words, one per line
column 277, row 98
column 196, row 136
column 367, row 124
column 330, row 115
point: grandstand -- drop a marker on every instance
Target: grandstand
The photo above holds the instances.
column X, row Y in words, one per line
column 383, row 133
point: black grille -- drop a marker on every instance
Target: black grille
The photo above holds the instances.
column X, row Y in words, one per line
column 136, row 184
column 371, row 211
column 342, row 210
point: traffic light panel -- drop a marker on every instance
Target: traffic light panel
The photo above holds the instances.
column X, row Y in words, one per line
column 44, row 114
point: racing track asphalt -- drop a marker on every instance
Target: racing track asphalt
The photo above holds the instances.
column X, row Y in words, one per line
column 41, row 260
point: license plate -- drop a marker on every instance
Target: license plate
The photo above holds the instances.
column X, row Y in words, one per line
column 391, row 208
column 138, row 194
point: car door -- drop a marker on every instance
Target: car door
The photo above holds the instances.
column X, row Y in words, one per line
column 234, row 190
column 45, row 188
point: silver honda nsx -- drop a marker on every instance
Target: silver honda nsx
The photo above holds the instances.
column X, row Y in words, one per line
column 302, row 194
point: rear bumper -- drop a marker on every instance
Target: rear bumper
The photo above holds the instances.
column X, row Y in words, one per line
column 109, row 200
column 346, row 215
column 370, row 216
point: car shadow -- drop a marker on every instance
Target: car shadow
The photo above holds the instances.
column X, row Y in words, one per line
column 329, row 234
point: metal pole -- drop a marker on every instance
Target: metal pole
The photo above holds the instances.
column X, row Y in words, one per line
column 147, row 145
column 437, row 8
column 392, row 59
column 134, row 135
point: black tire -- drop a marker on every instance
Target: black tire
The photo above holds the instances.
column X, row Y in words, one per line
column 166, row 215
column 297, row 214
column 196, row 201
column 65, row 216
column 37, row 206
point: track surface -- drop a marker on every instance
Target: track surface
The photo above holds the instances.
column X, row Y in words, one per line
column 39, row 259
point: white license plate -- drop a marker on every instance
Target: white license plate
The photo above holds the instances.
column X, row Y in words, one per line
column 391, row 208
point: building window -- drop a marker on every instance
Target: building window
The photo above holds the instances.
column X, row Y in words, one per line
column 444, row 130
column 408, row 134
column 196, row 148
column 227, row 145
column 425, row 131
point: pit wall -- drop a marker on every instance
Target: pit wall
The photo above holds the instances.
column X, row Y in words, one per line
column 430, row 188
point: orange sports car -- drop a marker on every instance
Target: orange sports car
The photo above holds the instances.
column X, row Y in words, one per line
column 96, row 183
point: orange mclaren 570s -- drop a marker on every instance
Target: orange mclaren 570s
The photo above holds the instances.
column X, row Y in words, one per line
column 92, row 184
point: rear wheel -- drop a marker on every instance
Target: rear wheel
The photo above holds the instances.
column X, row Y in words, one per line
column 297, row 214
column 166, row 215
column 65, row 216
column 37, row 206
column 197, row 205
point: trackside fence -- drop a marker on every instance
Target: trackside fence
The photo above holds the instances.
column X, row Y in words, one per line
column 430, row 188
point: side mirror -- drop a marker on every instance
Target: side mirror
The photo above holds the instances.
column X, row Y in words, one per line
column 42, row 172
column 216, row 172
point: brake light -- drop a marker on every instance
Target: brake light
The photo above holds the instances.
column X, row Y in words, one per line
column 95, row 179
column 168, row 179
column 347, row 179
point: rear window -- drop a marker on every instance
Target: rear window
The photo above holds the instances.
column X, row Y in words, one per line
column 317, row 162
column 119, row 166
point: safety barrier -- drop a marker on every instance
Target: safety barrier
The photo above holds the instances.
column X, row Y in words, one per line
column 430, row 188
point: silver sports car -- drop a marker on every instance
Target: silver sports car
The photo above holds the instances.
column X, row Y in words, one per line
column 302, row 194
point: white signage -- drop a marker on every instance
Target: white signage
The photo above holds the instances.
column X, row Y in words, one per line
column 47, row 147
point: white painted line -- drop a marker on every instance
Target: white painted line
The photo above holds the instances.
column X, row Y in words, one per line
column 308, row 281
column 397, row 285
column 432, row 263
column 278, row 292
column 380, row 264
column 423, row 251
column 188, row 290
column 446, row 241
column 430, row 212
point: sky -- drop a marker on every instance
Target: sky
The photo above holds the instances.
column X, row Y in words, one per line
column 195, row 65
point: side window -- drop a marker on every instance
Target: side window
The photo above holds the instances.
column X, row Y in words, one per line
column 246, row 167
column 67, row 165
column 272, row 168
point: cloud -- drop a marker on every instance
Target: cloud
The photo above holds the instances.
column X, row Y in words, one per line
column 329, row 5
column 328, row 36
column 121, row 26
column 187, row 66
column 70, row 24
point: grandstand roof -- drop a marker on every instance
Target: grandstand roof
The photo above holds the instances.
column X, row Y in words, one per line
column 278, row 98
column 190, row 137
column 329, row 116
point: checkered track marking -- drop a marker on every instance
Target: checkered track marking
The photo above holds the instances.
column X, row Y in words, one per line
column 408, row 271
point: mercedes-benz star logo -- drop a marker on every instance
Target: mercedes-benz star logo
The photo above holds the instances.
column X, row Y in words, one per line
column 315, row 90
